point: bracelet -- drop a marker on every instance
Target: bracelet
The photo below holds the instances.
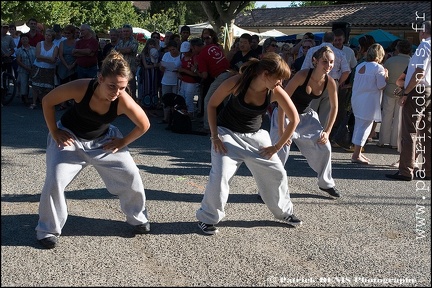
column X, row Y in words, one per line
column 214, row 138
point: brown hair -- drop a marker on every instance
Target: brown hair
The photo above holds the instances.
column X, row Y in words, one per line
column 271, row 62
column 365, row 42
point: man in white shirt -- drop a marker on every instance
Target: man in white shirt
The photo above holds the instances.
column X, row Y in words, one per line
column 339, row 73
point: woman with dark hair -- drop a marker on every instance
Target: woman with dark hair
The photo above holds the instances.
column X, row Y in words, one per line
column 83, row 137
column 209, row 36
column 237, row 138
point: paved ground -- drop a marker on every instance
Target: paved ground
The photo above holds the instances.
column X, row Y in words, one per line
column 377, row 234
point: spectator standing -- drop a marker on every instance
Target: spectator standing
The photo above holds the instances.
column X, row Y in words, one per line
column 114, row 35
column 395, row 65
column 84, row 136
column 416, row 112
column 369, row 82
column 66, row 68
column 255, row 44
column 128, row 47
column 189, row 80
column 297, row 50
column 270, row 45
column 208, row 36
column 212, row 64
column 58, row 35
column 344, row 89
column 237, row 138
column 244, row 54
column 58, row 38
column 26, row 56
column 149, row 73
column 298, row 62
column 7, row 48
column 34, row 35
column 44, row 67
column 85, row 52
column 286, row 53
column 184, row 33
column 170, row 63
column 16, row 37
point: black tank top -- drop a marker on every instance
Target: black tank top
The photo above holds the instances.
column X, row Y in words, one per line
column 241, row 117
column 84, row 122
column 301, row 98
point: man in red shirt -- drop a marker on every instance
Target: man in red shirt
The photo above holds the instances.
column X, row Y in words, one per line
column 34, row 35
column 86, row 53
column 211, row 63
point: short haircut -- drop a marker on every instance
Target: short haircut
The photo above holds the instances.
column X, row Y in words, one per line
column 172, row 43
column 196, row 42
column 339, row 32
column 246, row 36
column 404, row 47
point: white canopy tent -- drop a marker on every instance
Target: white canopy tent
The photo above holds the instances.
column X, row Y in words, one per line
column 23, row 28
column 137, row 30
column 196, row 29
column 271, row 33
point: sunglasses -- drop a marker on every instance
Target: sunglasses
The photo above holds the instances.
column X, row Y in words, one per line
column 306, row 47
column 274, row 45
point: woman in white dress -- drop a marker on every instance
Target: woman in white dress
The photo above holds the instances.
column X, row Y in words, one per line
column 369, row 81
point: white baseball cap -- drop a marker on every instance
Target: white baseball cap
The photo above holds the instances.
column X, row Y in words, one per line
column 185, row 47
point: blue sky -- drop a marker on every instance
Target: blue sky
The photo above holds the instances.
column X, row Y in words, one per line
column 273, row 4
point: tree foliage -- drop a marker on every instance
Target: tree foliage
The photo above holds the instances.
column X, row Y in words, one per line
column 100, row 15
column 162, row 21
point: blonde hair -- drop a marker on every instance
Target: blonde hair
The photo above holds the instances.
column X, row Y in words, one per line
column 115, row 65
column 375, row 53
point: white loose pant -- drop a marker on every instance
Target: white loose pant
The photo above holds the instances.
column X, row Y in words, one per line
column 118, row 171
column 269, row 174
column 306, row 135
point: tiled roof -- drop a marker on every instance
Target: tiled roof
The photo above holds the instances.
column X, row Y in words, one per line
column 377, row 14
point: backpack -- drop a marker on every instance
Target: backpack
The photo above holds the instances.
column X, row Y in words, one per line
column 180, row 120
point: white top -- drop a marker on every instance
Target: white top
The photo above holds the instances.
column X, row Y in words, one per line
column 367, row 91
column 350, row 56
column 172, row 64
column 45, row 53
column 421, row 59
